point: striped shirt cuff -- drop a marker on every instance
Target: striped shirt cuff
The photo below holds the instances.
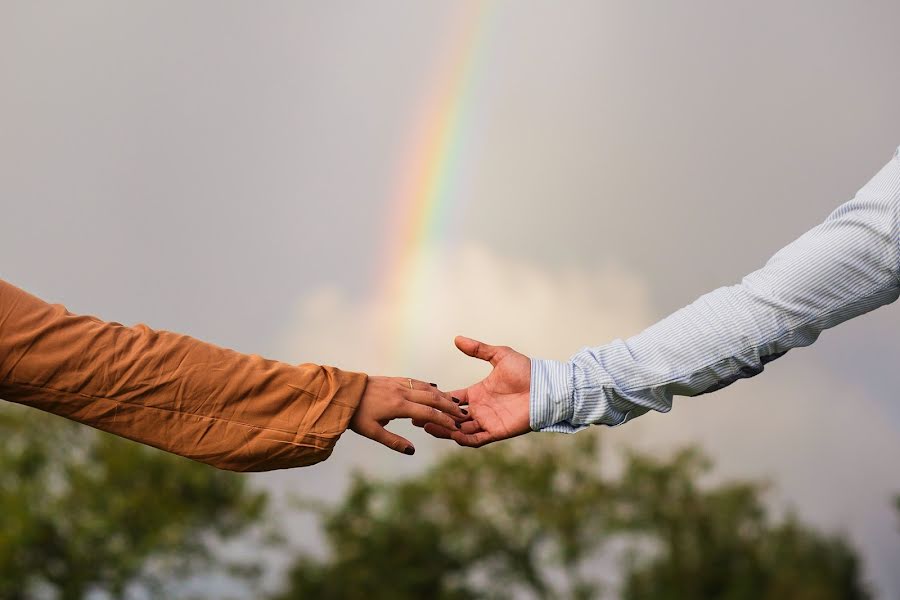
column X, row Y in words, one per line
column 552, row 401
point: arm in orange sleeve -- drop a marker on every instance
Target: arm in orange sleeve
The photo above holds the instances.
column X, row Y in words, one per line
column 230, row 410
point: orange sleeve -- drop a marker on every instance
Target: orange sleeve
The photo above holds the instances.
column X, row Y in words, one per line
column 230, row 410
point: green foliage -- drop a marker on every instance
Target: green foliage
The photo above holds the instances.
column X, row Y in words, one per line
column 477, row 525
column 720, row 543
column 82, row 511
column 532, row 519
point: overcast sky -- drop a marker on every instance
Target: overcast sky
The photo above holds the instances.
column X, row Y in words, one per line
column 224, row 169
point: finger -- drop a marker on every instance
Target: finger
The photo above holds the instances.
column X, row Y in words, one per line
column 470, row 427
column 416, row 384
column 461, row 395
column 437, row 431
column 472, row 440
column 391, row 440
column 440, row 401
column 431, row 427
column 477, row 349
column 420, row 412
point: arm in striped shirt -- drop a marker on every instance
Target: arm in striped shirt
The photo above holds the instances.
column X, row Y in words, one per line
column 847, row 266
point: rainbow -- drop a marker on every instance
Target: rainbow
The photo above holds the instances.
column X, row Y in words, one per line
column 421, row 213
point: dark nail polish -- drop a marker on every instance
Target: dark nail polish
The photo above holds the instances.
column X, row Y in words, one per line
column 459, row 425
column 409, row 450
column 463, row 411
column 433, row 384
column 455, row 399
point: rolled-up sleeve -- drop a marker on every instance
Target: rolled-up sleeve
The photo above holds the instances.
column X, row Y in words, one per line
column 844, row 267
column 230, row 410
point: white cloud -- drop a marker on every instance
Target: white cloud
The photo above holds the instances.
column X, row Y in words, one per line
column 479, row 294
column 827, row 447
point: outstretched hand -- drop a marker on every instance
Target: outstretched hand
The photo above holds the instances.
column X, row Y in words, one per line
column 388, row 398
column 498, row 404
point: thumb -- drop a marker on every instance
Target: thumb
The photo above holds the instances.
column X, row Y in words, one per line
column 477, row 349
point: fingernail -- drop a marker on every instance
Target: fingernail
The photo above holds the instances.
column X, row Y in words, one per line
column 463, row 411
column 433, row 384
column 409, row 450
column 459, row 425
column 455, row 399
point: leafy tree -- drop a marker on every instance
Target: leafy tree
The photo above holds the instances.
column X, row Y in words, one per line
column 720, row 543
column 533, row 518
column 476, row 525
column 83, row 512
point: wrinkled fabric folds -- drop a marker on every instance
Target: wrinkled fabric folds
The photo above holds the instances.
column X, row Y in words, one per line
column 230, row 410
column 842, row 268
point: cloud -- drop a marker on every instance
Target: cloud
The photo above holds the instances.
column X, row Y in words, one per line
column 480, row 294
column 827, row 447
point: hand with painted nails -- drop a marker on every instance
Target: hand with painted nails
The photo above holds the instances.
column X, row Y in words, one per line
column 389, row 398
column 498, row 405
column 246, row 414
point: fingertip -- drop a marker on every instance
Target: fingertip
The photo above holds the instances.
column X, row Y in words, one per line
column 464, row 343
column 400, row 444
column 448, row 422
column 460, row 396
column 437, row 431
column 469, row 427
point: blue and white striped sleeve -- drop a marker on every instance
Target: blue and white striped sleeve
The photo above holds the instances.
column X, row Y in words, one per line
column 847, row 266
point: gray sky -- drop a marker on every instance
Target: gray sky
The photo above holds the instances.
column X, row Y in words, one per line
column 208, row 167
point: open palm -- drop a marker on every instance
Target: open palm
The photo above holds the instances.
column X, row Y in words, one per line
column 498, row 404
